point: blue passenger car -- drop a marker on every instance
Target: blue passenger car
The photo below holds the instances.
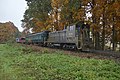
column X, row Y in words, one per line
column 37, row 38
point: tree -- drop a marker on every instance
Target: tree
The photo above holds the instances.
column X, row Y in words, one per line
column 104, row 17
column 37, row 12
column 8, row 32
column 55, row 14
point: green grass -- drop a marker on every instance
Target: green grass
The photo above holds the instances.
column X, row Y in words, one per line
column 15, row 64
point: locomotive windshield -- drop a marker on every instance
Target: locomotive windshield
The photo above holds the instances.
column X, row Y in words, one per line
column 82, row 28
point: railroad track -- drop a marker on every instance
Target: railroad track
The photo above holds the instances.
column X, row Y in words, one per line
column 97, row 54
column 107, row 53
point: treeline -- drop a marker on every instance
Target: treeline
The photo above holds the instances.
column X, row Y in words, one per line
column 102, row 15
column 8, row 32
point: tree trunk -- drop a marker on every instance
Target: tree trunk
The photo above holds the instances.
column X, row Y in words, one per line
column 93, row 36
column 103, row 31
column 113, row 37
column 97, row 41
column 103, row 36
column 119, row 46
column 94, row 21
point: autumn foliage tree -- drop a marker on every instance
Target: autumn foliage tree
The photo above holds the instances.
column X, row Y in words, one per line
column 8, row 32
column 55, row 14
column 36, row 15
column 109, row 10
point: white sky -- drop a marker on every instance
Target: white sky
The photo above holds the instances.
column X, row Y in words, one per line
column 12, row 10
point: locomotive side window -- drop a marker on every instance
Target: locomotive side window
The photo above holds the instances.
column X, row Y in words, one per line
column 71, row 28
column 86, row 30
column 77, row 29
column 85, row 33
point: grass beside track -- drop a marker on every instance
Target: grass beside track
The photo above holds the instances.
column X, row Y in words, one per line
column 20, row 63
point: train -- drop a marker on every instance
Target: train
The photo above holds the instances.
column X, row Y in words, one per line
column 74, row 36
column 21, row 40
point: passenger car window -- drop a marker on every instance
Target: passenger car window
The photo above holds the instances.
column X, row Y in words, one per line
column 71, row 28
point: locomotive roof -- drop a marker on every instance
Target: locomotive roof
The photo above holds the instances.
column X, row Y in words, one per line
column 58, row 31
column 37, row 33
column 78, row 22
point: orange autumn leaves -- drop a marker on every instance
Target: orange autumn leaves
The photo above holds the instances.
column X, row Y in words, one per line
column 7, row 31
column 64, row 12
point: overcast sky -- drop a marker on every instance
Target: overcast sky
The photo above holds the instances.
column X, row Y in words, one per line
column 12, row 10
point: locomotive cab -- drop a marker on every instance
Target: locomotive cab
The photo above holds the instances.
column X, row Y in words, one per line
column 83, row 36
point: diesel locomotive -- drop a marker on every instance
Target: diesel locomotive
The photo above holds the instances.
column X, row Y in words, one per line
column 74, row 36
